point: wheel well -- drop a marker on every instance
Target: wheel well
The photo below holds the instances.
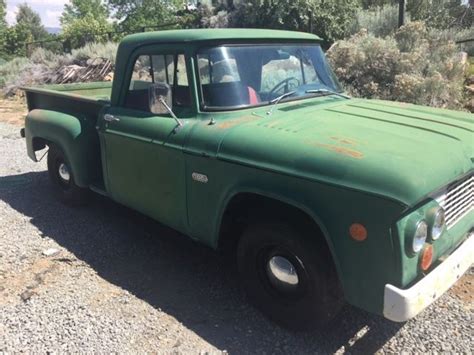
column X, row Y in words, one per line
column 246, row 208
column 39, row 143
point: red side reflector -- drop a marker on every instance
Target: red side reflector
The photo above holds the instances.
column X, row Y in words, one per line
column 426, row 258
column 358, row 232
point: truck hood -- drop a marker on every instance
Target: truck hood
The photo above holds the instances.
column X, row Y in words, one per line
column 397, row 150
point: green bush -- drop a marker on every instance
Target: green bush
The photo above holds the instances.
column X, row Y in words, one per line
column 413, row 65
column 331, row 19
column 470, row 70
column 84, row 30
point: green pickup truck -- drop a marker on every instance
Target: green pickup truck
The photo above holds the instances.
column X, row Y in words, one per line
column 243, row 140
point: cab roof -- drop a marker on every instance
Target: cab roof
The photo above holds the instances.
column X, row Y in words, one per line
column 215, row 34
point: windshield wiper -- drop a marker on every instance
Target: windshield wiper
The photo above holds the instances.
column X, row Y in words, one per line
column 318, row 91
column 276, row 100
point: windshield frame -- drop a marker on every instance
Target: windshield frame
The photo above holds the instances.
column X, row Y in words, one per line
column 267, row 42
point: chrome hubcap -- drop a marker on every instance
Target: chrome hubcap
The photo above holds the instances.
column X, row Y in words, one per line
column 64, row 172
column 282, row 272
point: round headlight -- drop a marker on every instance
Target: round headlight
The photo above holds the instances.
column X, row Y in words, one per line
column 419, row 238
column 438, row 224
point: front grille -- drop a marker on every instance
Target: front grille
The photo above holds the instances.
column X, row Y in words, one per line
column 458, row 200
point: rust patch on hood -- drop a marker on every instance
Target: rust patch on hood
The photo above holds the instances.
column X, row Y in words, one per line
column 235, row 122
column 347, row 141
column 339, row 150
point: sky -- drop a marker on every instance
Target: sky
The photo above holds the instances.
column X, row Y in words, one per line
column 49, row 10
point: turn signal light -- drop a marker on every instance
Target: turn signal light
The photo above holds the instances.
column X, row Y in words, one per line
column 426, row 258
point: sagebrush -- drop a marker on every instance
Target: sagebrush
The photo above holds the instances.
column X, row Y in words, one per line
column 43, row 66
column 412, row 65
column 379, row 21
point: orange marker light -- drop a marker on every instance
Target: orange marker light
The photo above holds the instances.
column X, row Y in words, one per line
column 426, row 258
column 358, row 232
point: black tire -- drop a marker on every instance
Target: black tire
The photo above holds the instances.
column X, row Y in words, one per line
column 65, row 190
column 316, row 298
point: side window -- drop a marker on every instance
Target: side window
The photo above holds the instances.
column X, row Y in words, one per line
column 163, row 68
column 181, row 93
column 182, row 77
column 149, row 69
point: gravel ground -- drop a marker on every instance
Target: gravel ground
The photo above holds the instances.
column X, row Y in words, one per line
column 106, row 279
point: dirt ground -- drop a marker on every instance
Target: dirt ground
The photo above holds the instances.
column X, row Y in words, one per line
column 464, row 289
column 13, row 111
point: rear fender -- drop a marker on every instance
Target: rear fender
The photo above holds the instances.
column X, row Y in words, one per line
column 75, row 135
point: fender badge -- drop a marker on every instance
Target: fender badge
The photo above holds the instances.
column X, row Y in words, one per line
column 200, row 178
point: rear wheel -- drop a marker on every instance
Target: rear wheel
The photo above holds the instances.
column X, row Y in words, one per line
column 62, row 179
column 288, row 275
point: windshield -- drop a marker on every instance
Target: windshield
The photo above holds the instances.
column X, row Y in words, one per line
column 242, row 76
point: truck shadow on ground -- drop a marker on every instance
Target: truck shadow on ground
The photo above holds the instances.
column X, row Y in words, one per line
column 188, row 281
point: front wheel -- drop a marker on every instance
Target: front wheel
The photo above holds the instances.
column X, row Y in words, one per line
column 62, row 178
column 288, row 275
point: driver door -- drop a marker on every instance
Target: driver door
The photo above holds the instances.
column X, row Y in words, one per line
column 143, row 157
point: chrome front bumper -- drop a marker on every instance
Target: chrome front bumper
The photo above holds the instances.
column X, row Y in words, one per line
column 401, row 305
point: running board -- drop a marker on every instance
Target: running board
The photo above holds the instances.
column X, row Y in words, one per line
column 99, row 188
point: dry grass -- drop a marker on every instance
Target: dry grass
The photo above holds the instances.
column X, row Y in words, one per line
column 13, row 111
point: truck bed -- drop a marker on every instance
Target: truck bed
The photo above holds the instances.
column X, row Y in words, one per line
column 66, row 97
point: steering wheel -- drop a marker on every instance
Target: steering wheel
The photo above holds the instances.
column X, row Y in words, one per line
column 285, row 83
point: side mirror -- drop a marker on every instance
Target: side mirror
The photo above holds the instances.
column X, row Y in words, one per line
column 160, row 94
column 161, row 100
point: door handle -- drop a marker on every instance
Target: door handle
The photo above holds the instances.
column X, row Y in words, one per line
column 111, row 118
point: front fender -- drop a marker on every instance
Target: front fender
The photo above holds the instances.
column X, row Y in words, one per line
column 363, row 267
column 75, row 135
